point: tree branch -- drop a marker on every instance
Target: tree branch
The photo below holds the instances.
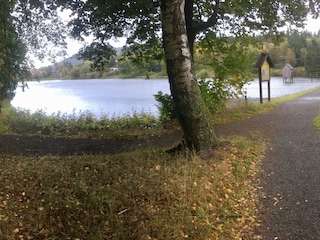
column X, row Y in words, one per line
column 188, row 9
column 212, row 20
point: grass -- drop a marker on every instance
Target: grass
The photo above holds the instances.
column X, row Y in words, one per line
column 82, row 124
column 138, row 195
column 316, row 121
column 242, row 109
column 141, row 195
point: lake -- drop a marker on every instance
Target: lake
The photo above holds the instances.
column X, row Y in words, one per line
column 117, row 97
column 111, row 97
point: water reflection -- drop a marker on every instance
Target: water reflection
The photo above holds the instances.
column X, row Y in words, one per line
column 279, row 88
column 111, row 97
column 116, row 97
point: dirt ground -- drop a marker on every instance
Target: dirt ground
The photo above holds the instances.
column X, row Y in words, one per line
column 40, row 145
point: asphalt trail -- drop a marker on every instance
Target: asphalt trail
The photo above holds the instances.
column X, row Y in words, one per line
column 290, row 179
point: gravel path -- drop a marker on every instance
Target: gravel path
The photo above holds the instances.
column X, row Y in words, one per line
column 292, row 172
column 290, row 208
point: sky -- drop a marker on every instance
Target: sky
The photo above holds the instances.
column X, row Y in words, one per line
column 73, row 48
column 313, row 25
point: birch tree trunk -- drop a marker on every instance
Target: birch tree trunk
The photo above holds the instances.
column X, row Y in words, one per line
column 192, row 112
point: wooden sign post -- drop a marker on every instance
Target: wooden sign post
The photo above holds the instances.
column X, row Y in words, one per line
column 264, row 65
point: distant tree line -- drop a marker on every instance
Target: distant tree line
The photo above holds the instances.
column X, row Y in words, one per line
column 121, row 67
column 300, row 49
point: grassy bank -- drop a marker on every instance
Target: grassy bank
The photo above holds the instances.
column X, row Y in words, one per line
column 241, row 109
column 141, row 195
column 316, row 121
column 77, row 124
column 84, row 124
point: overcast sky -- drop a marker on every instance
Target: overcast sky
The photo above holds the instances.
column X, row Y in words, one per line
column 313, row 25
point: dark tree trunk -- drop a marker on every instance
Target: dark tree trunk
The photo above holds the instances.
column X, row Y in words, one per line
column 192, row 112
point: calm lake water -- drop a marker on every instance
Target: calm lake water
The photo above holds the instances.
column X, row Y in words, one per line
column 116, row 97
column 111, row 97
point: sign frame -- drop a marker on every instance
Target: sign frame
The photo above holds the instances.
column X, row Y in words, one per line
column 264, row 65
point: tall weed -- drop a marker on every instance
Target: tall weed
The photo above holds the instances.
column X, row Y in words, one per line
column 76, row 124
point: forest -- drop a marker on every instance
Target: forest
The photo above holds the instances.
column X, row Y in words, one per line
column 300, row 49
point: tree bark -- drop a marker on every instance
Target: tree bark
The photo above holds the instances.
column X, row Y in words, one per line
column 193, row 115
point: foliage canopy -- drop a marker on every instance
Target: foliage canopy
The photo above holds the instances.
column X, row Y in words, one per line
column 13, row 65
column 140, row 22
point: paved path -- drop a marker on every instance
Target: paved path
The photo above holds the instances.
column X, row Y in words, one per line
column 290, row 208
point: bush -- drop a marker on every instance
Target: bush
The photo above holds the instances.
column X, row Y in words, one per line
column 166, row 107
column 213, row 91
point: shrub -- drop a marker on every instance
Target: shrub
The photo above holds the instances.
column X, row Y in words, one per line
column 214, row 92
column 166, row 106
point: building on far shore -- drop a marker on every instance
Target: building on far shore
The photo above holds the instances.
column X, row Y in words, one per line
column 287, row 73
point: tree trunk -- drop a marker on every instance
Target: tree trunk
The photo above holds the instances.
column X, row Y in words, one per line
column 192, row 112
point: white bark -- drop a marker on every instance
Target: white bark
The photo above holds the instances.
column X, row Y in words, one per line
column 198, row 131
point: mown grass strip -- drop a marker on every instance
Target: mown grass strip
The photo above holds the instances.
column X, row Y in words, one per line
column 242, row 109
column 316, row 121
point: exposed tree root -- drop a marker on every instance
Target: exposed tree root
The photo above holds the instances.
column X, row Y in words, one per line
column 182, row 148
column 206, row 153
